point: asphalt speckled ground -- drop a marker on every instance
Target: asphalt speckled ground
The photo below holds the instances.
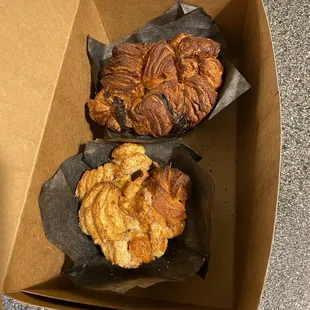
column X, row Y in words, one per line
column 288, row 279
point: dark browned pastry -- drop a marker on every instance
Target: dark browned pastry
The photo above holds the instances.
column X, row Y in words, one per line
column 100, row 110
column 174, row 42
column 161, row 88
column 122, row 76
column 212, row 70
column 150, row 116
column 189, row 53
column 172, row 96
column 200, row 96
column 129, row 213
column 160, row 65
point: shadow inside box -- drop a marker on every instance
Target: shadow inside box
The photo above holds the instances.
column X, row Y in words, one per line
column 81, row 148
column 68, row 263
column 96, row 129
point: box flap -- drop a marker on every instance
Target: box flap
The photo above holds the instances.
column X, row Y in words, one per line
column 65, row 130
column 258, row 160
column 34, row 37
column 64, row 290
column 49, row 303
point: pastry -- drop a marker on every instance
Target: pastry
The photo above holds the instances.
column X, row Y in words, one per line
column 166, row 87
column 128, row 211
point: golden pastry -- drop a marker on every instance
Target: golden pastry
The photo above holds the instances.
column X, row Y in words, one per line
column 128, row 212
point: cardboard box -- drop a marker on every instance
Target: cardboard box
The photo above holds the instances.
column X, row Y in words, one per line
column 45, row 83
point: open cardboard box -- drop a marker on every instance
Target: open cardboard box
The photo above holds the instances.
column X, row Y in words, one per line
column 46, row 82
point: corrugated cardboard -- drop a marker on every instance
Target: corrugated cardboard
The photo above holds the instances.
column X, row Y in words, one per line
column 45, row 84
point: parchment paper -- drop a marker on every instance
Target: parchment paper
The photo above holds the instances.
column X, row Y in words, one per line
column 181, row 17
column 186, row 255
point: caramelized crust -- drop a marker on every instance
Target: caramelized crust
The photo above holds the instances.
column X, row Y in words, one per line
column 100, row 110
column 200, row 97
column 174, row 42
column 146, row 88
column 190, row 51
column 170, row 188
column 191, row 46
column 150, row 117
column 172, row 96
column 129, row 213
column 122, row 76
column 211, row 69
column 160, row 65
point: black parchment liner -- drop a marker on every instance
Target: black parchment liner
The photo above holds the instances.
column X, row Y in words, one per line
column 186, row 255
column 181, row 17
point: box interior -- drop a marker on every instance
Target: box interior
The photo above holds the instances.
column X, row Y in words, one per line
column 30, row 68
column 242, row 157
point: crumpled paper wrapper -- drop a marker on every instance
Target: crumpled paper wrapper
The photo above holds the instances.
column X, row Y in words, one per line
column 181, row 17
column 186, row 255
